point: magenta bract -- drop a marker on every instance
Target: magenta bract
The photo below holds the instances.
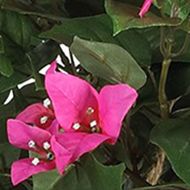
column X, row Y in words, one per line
column 38, row 141
column 88, row 117
column 145, row 7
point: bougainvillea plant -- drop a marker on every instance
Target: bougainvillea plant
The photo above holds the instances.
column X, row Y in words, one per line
column 94, row 95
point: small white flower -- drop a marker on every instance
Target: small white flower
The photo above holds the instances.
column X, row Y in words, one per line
column 31, row 144
column 35, row 161
column 46, row 145
column 93, row 123
column 43, row 119
column 76, row 126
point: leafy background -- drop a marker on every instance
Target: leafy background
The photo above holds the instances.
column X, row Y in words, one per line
column 113, row 45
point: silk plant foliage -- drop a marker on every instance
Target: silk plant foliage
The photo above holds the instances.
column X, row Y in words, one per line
column 118, row 43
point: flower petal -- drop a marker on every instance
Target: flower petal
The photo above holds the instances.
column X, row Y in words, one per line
column 23, row 169
column 19, row 134
column 114, row 102
column 33, row 113
column 145, row 7
column 62, row 155
column 71, row 96
column 54, row 127
column 52, row 68
column 80, row 143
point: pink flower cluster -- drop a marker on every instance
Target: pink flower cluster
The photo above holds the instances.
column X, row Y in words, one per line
column 77, row 121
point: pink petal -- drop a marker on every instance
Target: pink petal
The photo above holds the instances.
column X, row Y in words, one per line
column 52, row 68
column 114, row 103
column 54, row 128
column 33, row 113
column 71, row 96
column 80, row 143
column 62, row 155
column 145, row 7
column 19, row 134
column 23, row 169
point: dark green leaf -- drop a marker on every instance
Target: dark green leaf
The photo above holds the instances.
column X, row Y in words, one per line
column 97, row 28
column 40, row 180
column 137, row 45
column 178, row 80
column 6, row 68
column 109, row 61
column 89, row 175
column 53, row 10
column 3, row 97
column 19, row 28
column 1, row 45
column 12, row 81
column 125, row 16
column 8, row 154
column 173, row 136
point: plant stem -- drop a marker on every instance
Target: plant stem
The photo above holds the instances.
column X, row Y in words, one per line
column 164, row 106
column 166, row 49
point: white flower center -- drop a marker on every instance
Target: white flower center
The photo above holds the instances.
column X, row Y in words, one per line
column 76, row 126
column 46, row 145
column 90, row 110
column 47, row 102
column 93, row 130
column 43, row 119
column 61, row 130
column 50, row 156
column 93, row 124
column 31, row 144
column 35, row 161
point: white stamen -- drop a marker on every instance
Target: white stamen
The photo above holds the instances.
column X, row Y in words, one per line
column 46, row 145
column 50, row 156
column 93, row 123
column 47, row 102
column 43, row 119
column 76, row 126
column 31, row 144
column 93, row 129
column 35, row 161
column 90, row 110
column 61, row 130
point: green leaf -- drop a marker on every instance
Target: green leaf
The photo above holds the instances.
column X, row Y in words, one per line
column 173, row 137
column 12, row 81
column 97, row 28
column 3, row 97
column 129, row 39
column 8, row 154
column 107, row 177
column 89, row 175
column 7, row 111
column 53, row 10
column 108, row 61
column 19, row 28
column 6, row 68
column 1, row 45
column 45, row 180
column 125, row 16
column 178, row 80
column 102, row 32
